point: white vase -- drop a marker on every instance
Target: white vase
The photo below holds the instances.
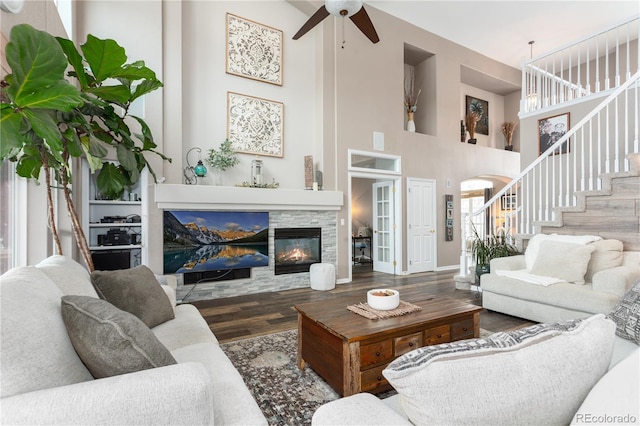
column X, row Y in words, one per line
column 216, row 176
column 411, row 126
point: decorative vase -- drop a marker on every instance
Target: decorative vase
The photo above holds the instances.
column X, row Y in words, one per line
column 217, row 177
column 411, row 126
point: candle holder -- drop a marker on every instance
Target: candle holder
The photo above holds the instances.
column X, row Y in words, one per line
column 256, row 172
column 191, row 174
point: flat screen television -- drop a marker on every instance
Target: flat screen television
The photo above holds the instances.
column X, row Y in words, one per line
column 199, row 241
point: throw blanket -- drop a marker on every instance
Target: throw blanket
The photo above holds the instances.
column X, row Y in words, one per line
column 525, row 276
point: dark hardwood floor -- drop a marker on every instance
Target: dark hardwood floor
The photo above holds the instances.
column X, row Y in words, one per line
column 241, row 317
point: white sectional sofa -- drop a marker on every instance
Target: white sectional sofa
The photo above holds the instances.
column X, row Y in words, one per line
column 577, row 366
column 581, row 376
column 583, row 276
column 44, row 381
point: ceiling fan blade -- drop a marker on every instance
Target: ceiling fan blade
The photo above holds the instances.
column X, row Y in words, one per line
column 315, row 19
column 363, row 22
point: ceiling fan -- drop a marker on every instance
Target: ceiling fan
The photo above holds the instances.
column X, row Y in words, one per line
column 352, row 9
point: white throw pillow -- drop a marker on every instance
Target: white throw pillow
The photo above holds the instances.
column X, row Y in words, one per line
column 566, row 261
column 607, row 255
column 535, row 375
column 533, row 247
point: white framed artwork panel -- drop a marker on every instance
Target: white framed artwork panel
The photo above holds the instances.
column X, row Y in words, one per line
column 255, row 125
column 254, row 50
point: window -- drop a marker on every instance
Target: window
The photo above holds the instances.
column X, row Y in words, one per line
column 472, row 197
column 66, row 16
column 374, row 162
column 7, row 216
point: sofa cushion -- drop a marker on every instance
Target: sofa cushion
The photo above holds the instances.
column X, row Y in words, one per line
column 111, row 341
column 577, row 298
column 607, row 255
column 626, row 315
column 615, row 399
column 538, row 375
column 69, row 275
column 533, row 247
column 187, row 328
column 36, row 350
column 566, row 261
column 136, row 291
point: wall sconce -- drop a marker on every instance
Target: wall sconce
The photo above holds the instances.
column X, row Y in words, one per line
column 191, row 174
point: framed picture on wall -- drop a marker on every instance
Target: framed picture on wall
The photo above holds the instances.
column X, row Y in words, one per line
column 254, row 50
column 481, row 108
column 550, row 130
column 255, row 125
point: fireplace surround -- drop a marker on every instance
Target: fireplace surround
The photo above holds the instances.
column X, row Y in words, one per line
column 288, row 208
column 296, row 249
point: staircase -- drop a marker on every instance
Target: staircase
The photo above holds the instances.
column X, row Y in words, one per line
column 611, row 212
column 593, row 187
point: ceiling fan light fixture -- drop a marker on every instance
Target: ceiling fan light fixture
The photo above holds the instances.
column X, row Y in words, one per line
column 343, row 8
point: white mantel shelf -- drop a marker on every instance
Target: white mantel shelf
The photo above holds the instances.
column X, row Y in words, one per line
column 201, row 197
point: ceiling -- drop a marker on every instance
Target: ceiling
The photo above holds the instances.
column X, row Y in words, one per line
column 502, row 29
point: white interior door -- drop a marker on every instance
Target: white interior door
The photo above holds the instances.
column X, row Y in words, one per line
column 383, row 228
column 421, row 225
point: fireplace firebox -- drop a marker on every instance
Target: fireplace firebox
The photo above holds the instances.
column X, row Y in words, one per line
column 296, row 249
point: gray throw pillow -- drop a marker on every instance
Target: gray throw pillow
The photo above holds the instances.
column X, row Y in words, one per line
column 626, row 315
column 136, row 291
column 110, row 341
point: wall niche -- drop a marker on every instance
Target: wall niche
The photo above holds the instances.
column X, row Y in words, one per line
column 420, row 77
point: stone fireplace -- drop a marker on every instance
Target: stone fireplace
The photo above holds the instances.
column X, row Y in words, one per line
column 296, row 249
column 293, row 209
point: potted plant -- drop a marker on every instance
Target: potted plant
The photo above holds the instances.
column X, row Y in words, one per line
column 46, row 121
column 222, row 159
column 490, row 247
column 471, row 120
column 508, row 127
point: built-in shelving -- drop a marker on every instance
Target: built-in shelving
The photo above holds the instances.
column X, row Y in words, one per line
column 128, row 210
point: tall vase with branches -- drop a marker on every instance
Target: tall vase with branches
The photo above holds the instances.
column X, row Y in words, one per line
column 411, row 98
column 508, row 128
column 47, row 121
column 471, row 120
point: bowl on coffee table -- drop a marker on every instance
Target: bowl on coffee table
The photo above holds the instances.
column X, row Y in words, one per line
column 383, row 299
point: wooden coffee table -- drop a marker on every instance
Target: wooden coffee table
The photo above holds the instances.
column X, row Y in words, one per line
column 350, row 351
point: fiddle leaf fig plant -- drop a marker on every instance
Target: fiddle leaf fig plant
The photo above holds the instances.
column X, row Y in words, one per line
column 46, row 120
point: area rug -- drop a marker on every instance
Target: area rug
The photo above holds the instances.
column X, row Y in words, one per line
column 285, row 394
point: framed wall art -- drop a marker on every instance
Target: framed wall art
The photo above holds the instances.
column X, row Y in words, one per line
column 254, row 50
column 550, row 130
column 481, row 108
column 255, row 125
column 449, row 217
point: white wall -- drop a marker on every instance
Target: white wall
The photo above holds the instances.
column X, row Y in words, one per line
column 205, row 86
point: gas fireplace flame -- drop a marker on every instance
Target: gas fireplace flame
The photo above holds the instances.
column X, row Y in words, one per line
column 293, row 255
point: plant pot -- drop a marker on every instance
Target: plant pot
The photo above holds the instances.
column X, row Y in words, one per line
column 472, row 141
column 481, row 270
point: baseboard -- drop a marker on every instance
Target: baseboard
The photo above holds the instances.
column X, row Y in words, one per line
column 447, row 268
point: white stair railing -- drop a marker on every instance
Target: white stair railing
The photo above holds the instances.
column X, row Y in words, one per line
column 599, row 143
column 589, row 66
